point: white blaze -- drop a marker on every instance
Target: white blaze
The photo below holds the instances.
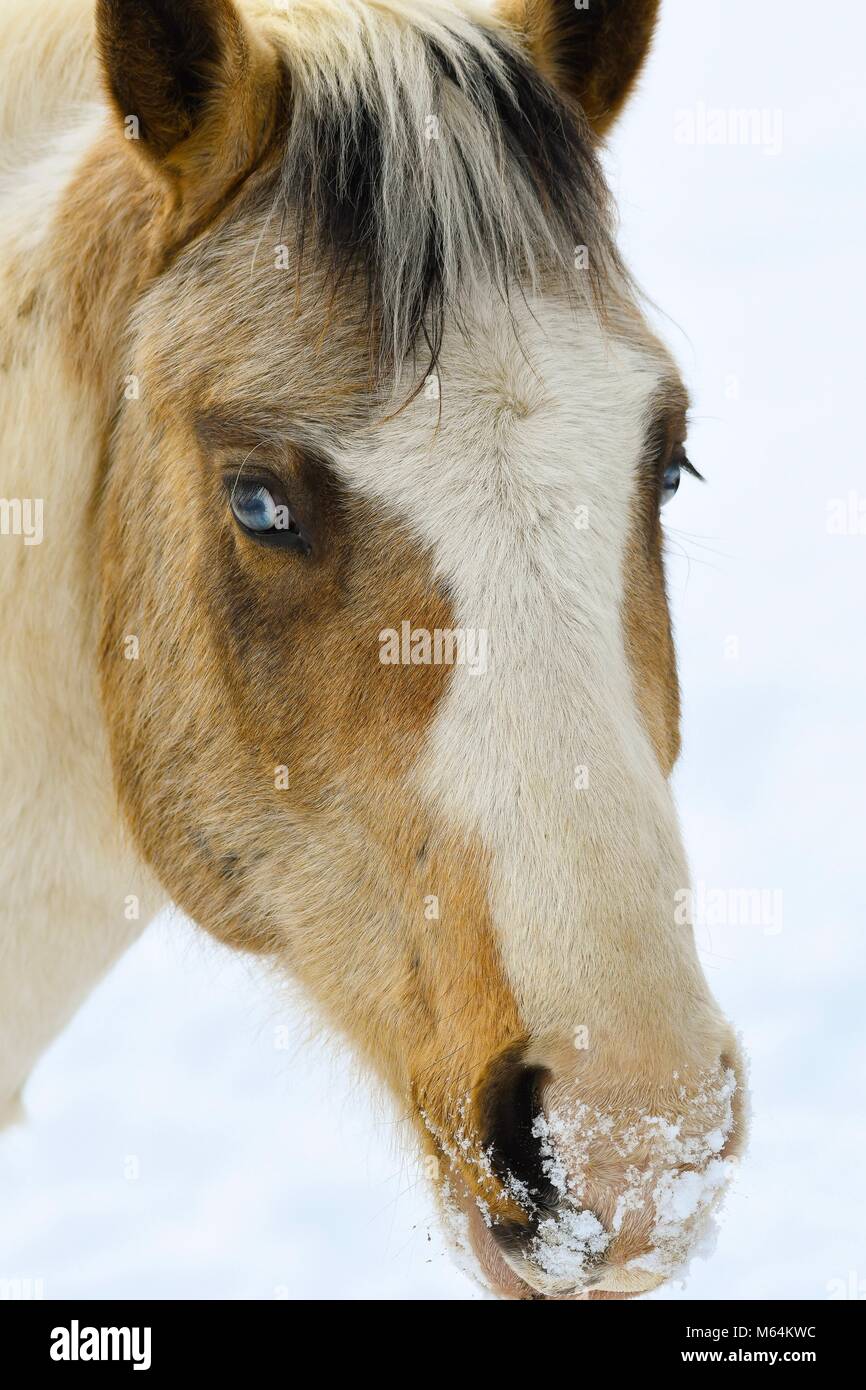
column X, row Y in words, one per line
column 524, row 493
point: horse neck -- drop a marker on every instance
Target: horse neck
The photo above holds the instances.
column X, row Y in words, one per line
column 67, row 873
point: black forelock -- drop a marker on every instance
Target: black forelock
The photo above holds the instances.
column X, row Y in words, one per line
column 337, row 180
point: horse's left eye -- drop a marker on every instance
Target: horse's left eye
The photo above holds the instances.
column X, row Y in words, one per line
column 263, row 514
column 254, row 507
column 671, row 481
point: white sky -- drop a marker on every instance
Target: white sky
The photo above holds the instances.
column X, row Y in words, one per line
column 266, row 1172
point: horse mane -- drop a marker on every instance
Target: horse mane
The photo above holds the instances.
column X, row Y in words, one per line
column 426, row 153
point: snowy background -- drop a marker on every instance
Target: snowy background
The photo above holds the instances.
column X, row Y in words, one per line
column 179, row 1146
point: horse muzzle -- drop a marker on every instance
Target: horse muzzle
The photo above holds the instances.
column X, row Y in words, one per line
column 595, row 1195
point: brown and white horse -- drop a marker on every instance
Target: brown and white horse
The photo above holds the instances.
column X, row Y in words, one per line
column 334, row 441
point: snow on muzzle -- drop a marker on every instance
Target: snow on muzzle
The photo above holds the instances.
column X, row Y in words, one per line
column 607, row 1197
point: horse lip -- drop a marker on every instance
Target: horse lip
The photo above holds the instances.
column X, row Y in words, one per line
column 515, row 1241
column 504, row 1249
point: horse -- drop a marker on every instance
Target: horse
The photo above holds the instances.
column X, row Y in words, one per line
column 344, row 625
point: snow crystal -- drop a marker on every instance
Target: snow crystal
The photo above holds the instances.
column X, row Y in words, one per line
column 566, row 1241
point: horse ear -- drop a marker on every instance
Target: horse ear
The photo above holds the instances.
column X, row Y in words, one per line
column 592, row 52
column 191, row 82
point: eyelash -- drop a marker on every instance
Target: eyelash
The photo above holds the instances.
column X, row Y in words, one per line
column 687, row 465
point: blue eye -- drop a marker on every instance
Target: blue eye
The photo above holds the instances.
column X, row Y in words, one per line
column 670, row 482
column 672, row 476
column 261, row 511
column 254, row 506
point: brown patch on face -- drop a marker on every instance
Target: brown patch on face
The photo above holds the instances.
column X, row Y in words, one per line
column 264, row 757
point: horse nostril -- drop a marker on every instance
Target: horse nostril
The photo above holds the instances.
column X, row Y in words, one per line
column 509, row 1104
